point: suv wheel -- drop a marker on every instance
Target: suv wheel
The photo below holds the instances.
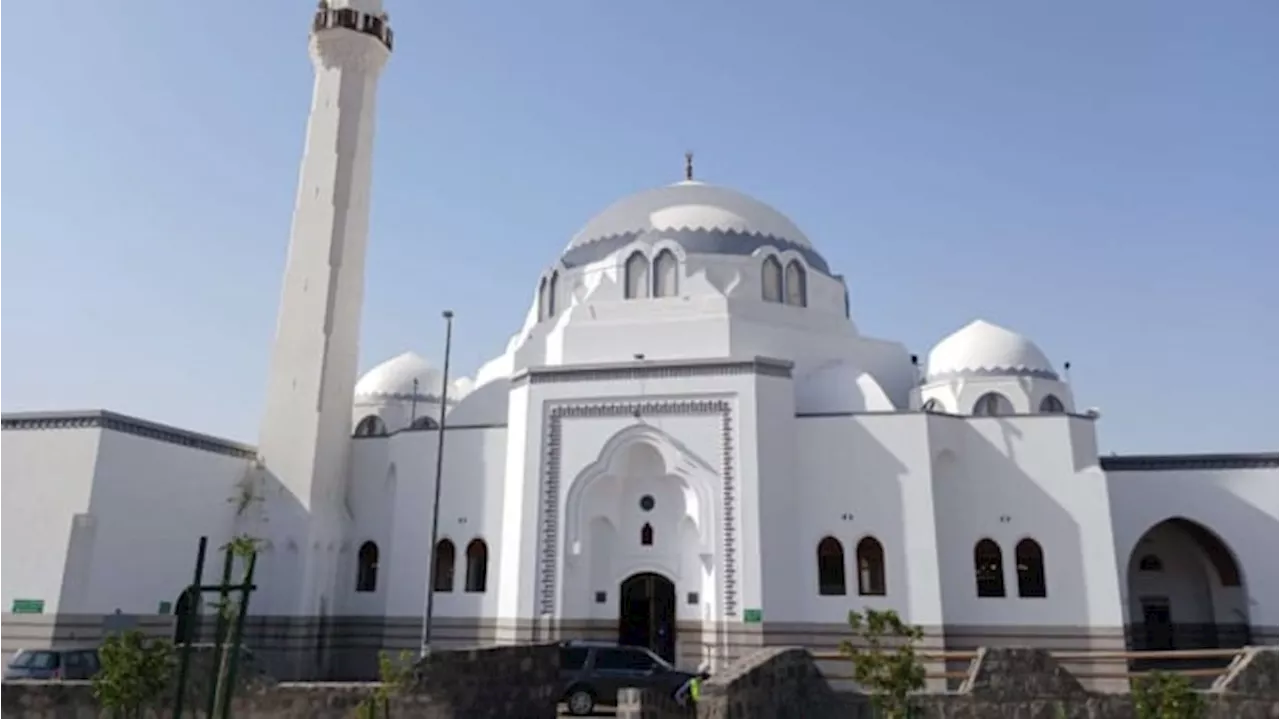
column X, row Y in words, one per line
column 581, row 702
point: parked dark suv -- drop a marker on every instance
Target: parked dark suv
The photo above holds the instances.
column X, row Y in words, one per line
column 53, row 664
column 593, row 672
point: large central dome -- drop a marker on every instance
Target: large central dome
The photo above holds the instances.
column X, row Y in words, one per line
column 689, row 205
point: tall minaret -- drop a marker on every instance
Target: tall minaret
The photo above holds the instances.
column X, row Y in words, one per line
column 306, row 431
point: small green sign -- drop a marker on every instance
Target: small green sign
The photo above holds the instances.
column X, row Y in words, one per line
column 752, row 616
column 165, row 608
column 28, row 606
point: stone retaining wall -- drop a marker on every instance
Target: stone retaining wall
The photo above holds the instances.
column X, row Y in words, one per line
column 521, row 682
column 489, row 683
column 1021, row 683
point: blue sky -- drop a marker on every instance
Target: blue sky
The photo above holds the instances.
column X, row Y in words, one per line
column 1099, row 176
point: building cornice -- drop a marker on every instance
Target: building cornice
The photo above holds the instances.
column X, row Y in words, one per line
column 102, row 419
column 1168, row 462
column 653, row 369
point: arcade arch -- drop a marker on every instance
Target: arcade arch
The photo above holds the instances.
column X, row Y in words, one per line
column 1185, row 589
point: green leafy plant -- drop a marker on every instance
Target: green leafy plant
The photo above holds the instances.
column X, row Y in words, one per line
column 135, row 673
column 886, row 663
column 242, row 547
column 395, row 677
column 1165, row 695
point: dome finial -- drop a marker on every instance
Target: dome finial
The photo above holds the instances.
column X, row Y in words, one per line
column 688, row 166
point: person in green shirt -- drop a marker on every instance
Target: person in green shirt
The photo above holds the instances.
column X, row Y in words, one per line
column 691, row 690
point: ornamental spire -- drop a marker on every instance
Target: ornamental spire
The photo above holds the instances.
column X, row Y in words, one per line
column 688, row 167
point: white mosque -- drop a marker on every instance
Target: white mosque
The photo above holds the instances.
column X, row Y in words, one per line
column 687, row 444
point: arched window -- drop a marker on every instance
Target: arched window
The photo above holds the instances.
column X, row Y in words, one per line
column 830, row 567
column 797, row 289
column 1030, row 562
column 870, row 567
column 424, row 422
column 992, row 404
column 552, row 288
column 988, row 564
column 477, row 565
column 367, row 568
column 542, row 299
column 771, row 279
column 846, row 302
column 1051, row 405
column 1150, row 563
column 646, row 535
column 371, row 426
column 932, row 405
column 442, row 572
column 637, row 275
column 665, row 270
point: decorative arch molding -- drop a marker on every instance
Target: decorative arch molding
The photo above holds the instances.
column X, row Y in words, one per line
column 549, row 520
column 697, row 480
column 667, row 243
column 1219, row 555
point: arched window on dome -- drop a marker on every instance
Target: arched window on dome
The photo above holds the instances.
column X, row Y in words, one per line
column 424, row 422
column 932, row 405
column 542, row 299
column 1029, row 559
column 442, row 572
column 665, row 270
column 371, row 426
column 553, row 287
column 477, row 565
column 771, row 279
column 988, row 566
column 367, row 568
column 637, row 276
column 831, row 568
column 870, row 555
column 797, row 284
column 992, row 404
column 846, row 302
column 1051, row 405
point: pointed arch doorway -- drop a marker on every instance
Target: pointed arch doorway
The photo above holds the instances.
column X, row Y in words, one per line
column 647, row 613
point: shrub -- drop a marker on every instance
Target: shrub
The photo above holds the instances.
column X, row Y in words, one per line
column 135, row 673
column 890, row 673
column 1163, row 695
column 395, row 676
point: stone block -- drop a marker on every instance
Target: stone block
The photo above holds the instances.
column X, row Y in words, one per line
column 1252, row 673
column 1019, row 673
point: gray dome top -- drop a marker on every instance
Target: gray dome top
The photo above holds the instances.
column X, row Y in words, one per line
column 702, row 218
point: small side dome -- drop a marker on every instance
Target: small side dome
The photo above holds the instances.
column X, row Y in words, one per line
column 986, row 350
column 839, row 387
column 395, row 378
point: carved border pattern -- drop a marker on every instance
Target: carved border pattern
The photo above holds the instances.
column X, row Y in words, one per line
column 128, row 425
column 549, row 548
column 656, row 370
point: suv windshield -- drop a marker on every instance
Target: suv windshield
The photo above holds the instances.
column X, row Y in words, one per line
column 25, row 659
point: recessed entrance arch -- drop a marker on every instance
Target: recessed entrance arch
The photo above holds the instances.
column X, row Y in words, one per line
column 1186, row 589
column 647, row 613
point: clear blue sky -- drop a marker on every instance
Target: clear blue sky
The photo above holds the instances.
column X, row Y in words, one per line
column 1100, row 176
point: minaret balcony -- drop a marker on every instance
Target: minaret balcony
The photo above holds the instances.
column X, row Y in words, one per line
column 375, row 26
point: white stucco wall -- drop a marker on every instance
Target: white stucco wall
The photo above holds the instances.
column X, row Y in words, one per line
column 102, row 520
column 1237, row 505
column 48, row 479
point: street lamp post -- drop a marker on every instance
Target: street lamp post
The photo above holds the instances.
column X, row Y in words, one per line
column 428, row 609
